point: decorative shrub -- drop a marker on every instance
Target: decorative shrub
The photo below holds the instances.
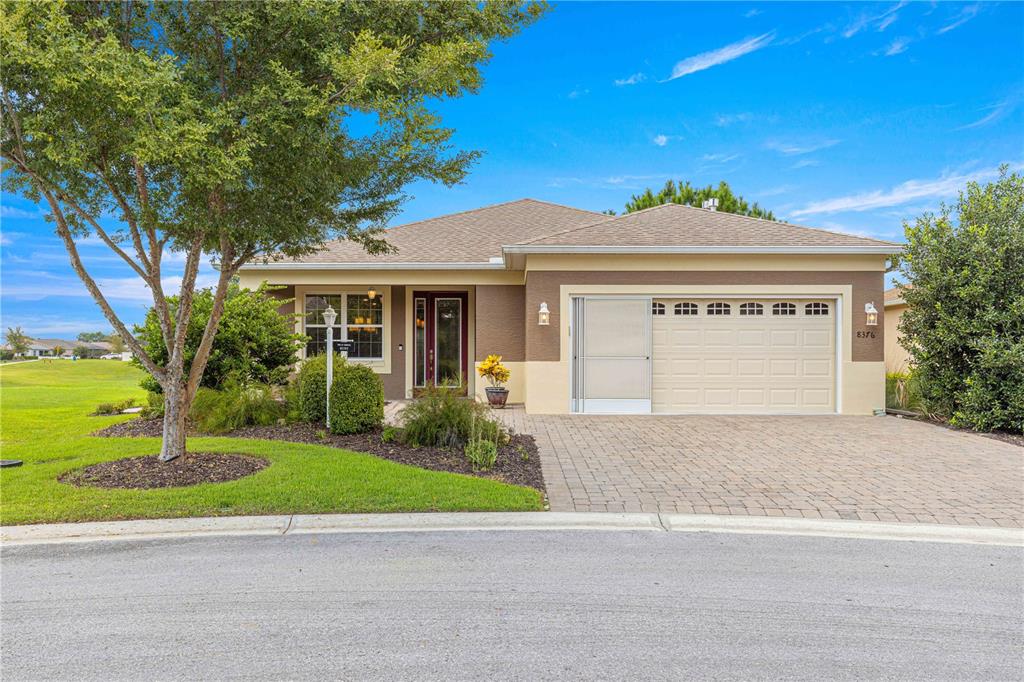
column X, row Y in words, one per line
column 492, row 370
column 964, row 324
column 357, row 399
column 154, row 408
column 482, row 454
column 312, row 387
column 441, row 417
column 254, row 341
column 237, row 405
column 114, row 408
column 389, row 434
column 903, row 392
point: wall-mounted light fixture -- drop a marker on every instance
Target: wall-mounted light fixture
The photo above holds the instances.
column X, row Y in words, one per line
column 371, row 293
column 872, row 314
column 544, row 315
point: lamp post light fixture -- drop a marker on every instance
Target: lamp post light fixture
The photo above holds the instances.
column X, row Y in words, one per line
column 544, row 315
column 330, row 317
column 371, row 293
column 872, row 314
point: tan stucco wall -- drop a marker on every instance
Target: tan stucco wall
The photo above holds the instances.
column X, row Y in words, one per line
column 500, row 325
column 897, row 359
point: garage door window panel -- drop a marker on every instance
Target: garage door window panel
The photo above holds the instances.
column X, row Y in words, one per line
column 719, row 308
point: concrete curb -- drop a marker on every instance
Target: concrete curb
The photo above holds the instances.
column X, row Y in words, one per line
column 500, row 521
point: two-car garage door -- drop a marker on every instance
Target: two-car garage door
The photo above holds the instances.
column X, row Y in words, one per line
column 706, row 355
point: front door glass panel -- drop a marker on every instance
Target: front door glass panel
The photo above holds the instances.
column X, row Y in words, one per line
column 448, row 341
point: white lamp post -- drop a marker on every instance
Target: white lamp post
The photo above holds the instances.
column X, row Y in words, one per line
column 330, row 316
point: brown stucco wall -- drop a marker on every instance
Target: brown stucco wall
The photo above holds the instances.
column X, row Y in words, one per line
column 542, row 342
column 394, row 383
column 500, row 325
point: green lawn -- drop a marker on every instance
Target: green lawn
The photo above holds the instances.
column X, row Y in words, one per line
column 44, row 421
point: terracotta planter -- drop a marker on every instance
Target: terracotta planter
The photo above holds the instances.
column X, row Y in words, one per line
column 496, row 396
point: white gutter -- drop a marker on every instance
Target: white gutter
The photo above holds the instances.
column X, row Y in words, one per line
column 880, row 250
column 373, row 266
column 895, row 301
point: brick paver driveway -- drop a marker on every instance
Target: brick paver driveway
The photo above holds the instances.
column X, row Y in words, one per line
column 867, row 468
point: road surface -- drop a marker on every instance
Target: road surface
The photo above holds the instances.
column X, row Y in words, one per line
column 512, row 605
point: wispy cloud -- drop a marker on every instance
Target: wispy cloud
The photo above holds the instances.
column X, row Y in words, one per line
column 775, row 191
column 706, row 60
column 751, row 13
column 996, row 112
column 578, row 92
column 805, row 163
column 887, row 22
column 723, row 120
column 966, row 14
column 660, row 140
column 719, row 158
column 637, row 77
column 944, row 187
column 866, row 19
column 15, row 212
column 897, row 46
column 795, row 148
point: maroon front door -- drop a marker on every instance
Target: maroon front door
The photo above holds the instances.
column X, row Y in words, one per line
column 440, row 335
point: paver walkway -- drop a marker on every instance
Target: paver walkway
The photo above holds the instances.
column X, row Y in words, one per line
column 832, row 467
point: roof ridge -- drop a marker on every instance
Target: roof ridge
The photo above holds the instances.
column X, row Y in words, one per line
column 489, row 206
column 605, row 218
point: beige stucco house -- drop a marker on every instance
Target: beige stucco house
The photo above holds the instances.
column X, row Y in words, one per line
column 668, row 310
column 897, row 359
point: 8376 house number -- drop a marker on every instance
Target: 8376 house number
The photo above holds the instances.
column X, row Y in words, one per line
column 865, row 335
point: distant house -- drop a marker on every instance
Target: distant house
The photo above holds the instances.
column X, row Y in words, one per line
column 44, row 348
column 897, row 359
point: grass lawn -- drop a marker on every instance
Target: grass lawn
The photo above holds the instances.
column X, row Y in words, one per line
column 44, row 408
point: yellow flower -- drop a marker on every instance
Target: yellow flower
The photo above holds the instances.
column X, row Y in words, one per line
column 492, row 370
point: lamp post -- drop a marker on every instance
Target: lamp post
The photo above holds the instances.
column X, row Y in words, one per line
column 330, row 316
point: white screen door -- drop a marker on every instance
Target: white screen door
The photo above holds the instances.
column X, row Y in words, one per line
column 611, row 348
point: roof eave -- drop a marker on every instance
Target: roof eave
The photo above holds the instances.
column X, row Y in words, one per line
column 881, row 250
column 374, row 266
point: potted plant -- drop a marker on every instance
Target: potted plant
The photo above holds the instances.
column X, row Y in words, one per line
column 497, row 374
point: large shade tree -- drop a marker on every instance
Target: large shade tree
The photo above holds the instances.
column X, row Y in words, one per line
column 686, row 193
column 230, row 129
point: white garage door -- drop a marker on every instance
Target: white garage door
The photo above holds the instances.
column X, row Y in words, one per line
column 743, row 356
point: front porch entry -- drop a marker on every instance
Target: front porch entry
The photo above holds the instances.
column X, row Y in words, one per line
column 440, row 339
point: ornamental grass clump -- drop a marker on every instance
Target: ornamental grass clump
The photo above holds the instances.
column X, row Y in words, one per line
column 238, row 404
column 441, row 417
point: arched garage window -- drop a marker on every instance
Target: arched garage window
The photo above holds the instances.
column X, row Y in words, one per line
column 686, row 308
column 783, row 309
column 751, row 309
column 816, row 309
column 658, row 309
column 719, row 308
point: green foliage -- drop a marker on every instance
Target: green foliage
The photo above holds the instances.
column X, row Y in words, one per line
column 389, row 434
column 964, row 325
column 903, row 392
column 113, row 408
column 154, row 408
column 116, row 343
column 17, row 340
column 93, row 337
column 254, row 341
column 238, row 404
column 686, row 193
column 312, row 387
column 357, row 399
column 482, row 454
column 440, row 417
column 6, row 354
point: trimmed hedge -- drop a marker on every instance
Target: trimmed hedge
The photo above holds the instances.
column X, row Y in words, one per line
column 357, row 400
column 312, row 387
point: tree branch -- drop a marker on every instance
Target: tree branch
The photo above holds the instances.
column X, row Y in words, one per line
column 203, row 351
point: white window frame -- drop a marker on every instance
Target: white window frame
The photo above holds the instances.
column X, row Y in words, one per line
column 343, row 319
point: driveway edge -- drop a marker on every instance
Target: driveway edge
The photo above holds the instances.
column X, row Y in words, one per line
column 150, row 529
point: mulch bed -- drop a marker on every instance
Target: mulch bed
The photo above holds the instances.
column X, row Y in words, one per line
column 518, row 462
column 149, row 472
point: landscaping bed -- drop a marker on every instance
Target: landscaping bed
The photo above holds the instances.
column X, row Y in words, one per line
column 146, row 473
column 518, row 462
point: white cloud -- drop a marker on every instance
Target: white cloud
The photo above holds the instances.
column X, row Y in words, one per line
column 865, row 19
column 885, row 23
column 751, row 13
column 706, row 60
column 897, row 46
column 720, row 158
column 998, row 111
column 723, row 120
column 944, row 187
column 794, row 148
column 632, row 80
column 966, row 14
column 805, row 163
column 15, row 212
column 775, row 191
column 578, row 92
column 660, row 140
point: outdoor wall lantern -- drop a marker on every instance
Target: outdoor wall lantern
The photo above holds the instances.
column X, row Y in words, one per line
column 330, row 316
column 872, row 313
column 371, row 293
column 544, row 315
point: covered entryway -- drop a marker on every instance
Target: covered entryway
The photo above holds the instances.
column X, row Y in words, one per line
column 743, row 356
column 704, row 355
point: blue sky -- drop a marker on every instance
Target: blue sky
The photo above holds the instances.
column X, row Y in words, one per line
column 850, row 117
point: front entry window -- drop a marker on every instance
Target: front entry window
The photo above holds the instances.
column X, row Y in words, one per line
column 448, row 346
column 360, row 320
column 420, row 344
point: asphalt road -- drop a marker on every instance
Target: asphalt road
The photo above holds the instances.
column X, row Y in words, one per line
column 512, row 605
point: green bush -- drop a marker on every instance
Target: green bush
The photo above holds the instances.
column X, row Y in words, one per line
column 311, row 383
column 154, row 408
column 964, row 324
column 238, row 404
column 114, row 408
column 254, row 341
column 389, row 434
column 357, row 399
column 482, row 454
column 903, row 392
column 441, row 417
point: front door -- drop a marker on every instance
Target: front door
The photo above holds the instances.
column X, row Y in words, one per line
column 440, row 334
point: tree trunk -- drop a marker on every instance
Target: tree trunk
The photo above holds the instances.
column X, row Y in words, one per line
column 175, row 412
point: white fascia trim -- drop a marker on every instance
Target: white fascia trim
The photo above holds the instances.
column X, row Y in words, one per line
column 880, row 250
column 373, row 266
column 895, row 301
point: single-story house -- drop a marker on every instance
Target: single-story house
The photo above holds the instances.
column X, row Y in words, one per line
column 45, row 348
column 897, row 359
column 672, row 309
